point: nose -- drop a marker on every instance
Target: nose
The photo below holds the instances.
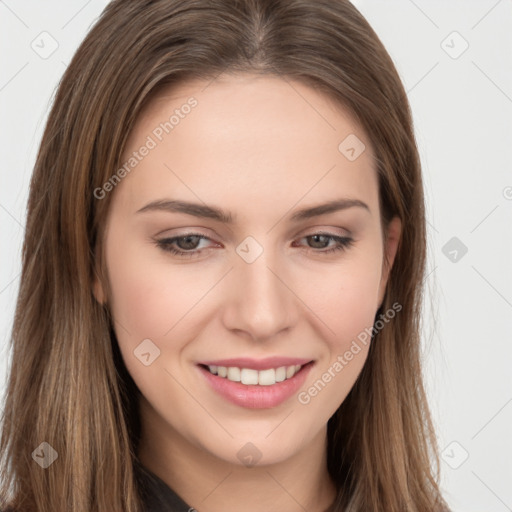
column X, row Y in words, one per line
column 260, row 302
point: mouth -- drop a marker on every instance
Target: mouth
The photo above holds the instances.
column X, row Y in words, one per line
column 251, row 377
column 256, row 384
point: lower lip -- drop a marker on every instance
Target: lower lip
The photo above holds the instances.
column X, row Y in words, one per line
column 257, row 397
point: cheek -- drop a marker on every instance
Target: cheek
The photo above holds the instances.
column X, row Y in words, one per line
column 346, row 300
column 149, row 297
column 345, row 297
column 149, row 300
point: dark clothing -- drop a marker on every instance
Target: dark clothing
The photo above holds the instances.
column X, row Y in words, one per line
column 156, row 494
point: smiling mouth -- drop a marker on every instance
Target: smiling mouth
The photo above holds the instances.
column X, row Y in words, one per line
column 256, row 384
column 251, row 377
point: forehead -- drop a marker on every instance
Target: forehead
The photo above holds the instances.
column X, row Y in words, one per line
column 247, row 138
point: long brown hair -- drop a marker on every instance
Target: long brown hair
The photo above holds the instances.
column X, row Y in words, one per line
column 68, row 385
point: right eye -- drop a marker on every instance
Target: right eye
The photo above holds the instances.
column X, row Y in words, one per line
column 184, row 245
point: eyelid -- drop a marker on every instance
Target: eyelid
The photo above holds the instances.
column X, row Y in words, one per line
column 330, row 231
column 187, row 231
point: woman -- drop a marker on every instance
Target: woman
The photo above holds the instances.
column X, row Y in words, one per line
column 222, row 271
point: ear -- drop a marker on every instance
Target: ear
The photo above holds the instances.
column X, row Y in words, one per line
column 97, row 290
column 394, row 230
column 97, row 287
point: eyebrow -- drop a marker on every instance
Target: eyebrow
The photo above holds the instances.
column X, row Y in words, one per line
column 211, row 212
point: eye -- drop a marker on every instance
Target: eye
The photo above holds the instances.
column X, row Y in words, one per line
column 321, row 241
column 188, row 245
column 185, row 245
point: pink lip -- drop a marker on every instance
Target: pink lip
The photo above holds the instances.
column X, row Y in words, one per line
column 257, row 364
column 252, row 396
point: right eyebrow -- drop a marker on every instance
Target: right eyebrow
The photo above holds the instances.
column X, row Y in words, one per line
column 195, row 209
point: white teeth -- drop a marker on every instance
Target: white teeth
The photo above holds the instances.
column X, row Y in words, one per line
column 249, row 376
column 267, row 377
column 280, row 373
column 234, row 374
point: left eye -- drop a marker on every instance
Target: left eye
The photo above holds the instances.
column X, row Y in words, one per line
column 188, row 245
column 320, row 240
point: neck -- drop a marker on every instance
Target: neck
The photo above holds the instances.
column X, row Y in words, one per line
column 210, row 484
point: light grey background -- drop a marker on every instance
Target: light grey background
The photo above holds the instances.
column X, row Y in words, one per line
column 462, row 106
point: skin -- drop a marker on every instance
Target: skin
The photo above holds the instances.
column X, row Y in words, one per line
column 260, row 148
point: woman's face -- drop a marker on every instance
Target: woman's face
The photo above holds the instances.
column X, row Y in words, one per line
column 238, row 174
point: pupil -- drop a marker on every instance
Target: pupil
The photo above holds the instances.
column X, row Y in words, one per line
column 317, row 240
column 188, row 242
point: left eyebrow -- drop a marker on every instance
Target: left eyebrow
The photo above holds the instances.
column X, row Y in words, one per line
column 205, row 211
column 330, row 207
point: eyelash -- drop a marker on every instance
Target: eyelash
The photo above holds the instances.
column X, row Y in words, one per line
column 343, row 243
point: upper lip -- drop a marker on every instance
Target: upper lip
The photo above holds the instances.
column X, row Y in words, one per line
column 257, row 364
